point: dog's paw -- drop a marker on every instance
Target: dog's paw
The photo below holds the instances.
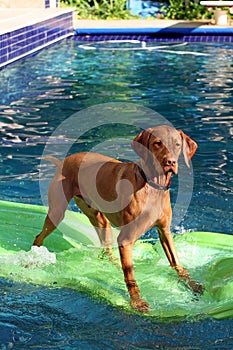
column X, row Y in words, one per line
column 183, row 273
column 140, row 305
column 107, row 254
column 196, row 287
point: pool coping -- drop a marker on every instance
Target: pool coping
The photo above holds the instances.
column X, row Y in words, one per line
column 153, row 29
column 17, row 18
column 161, row 31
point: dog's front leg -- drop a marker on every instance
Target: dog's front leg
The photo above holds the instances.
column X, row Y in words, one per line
column 171, row 253
column 168, row 245
column 126, row 250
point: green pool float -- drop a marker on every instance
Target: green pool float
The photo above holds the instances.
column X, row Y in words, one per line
column 72, row 258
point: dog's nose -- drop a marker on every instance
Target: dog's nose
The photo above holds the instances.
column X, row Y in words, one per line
column 170, row 161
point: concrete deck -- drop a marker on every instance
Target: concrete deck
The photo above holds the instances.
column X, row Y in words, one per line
column 144, row 23
column 158, row 29
column 136, row 23
column 16, row 18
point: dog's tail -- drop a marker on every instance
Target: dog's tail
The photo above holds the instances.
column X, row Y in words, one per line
column 54, row 160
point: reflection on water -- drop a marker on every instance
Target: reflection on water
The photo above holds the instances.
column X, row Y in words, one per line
column 72, row 321
column 195, row 93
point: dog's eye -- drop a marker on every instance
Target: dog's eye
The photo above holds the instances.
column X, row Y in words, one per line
column 157, row 144
column 178, row 145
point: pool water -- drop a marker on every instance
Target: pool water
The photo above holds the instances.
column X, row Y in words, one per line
column 189, row 85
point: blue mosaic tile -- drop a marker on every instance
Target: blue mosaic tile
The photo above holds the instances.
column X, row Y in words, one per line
column 157, row 38
column 173, row 33
column 47, row 3
column 24, row 41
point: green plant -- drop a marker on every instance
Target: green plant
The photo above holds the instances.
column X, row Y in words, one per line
column 68, row 2
column 104, row 9
column 186, row 10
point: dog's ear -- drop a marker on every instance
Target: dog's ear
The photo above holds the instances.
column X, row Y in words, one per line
column 189, row 147
column 141, row 143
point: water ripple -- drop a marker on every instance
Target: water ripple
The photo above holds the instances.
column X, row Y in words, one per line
column 193, row 92
column 37, row 94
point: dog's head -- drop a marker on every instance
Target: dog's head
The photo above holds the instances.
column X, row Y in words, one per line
column 160, row 148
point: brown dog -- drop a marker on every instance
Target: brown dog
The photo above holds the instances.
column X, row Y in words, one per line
column 131, row 196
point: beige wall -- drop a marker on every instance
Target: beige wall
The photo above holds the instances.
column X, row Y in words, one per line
column 22, row 3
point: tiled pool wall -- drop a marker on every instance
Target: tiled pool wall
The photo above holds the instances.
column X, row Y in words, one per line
column 32, row 38
column 172, row 34
column 148, row 38
column 50, row 3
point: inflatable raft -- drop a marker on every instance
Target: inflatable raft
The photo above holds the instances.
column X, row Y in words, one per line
column 72, row 258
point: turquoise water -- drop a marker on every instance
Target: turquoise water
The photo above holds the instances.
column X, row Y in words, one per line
column 192, row 87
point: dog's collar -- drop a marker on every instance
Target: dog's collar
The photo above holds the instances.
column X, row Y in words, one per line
column 159, row 187
column 154, row 184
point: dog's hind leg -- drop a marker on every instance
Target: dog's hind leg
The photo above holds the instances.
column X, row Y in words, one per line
column 99, row 222
column 58, row 198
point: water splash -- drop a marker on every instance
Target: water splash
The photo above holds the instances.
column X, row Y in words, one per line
column 36, row 257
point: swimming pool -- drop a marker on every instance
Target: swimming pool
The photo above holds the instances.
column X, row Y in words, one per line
column 189, row 85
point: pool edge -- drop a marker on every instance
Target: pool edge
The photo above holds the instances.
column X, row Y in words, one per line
column 168, row 33
column 31, row 38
